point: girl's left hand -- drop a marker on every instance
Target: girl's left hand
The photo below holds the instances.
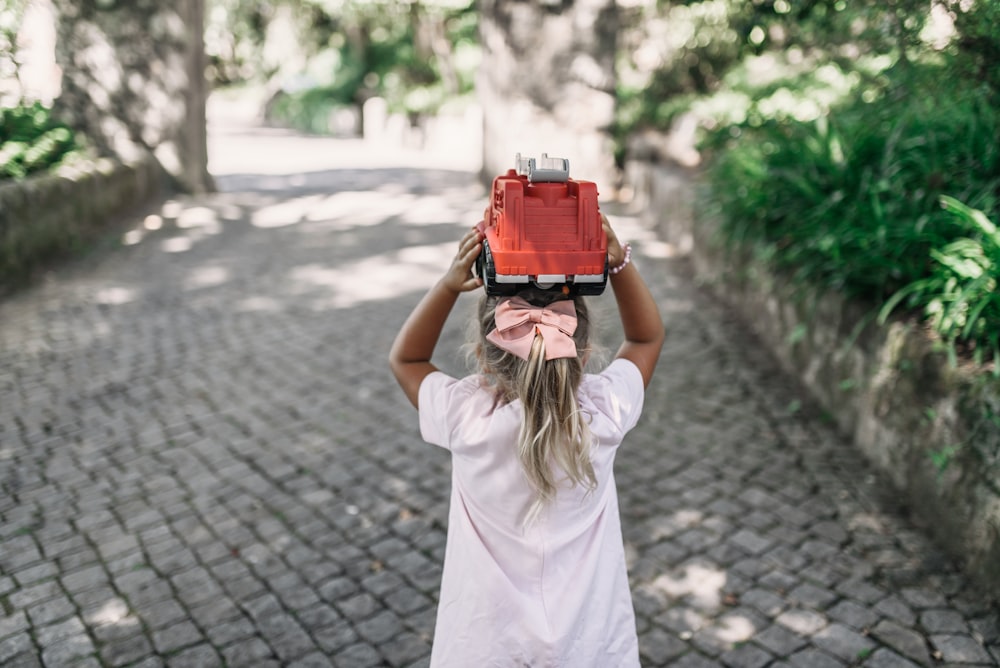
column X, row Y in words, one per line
column 616, row 254
column 459, row 276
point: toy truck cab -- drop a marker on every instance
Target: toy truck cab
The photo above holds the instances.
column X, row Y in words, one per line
column 543, row 230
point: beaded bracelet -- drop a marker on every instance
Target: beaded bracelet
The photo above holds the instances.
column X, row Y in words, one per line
column 628, row 258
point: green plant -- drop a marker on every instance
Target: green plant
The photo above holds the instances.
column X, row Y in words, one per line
column 959, row 297
column 941, row 459
column 849, row 201
column 31, row 140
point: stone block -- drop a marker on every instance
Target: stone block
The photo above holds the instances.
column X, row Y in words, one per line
column 904, row 640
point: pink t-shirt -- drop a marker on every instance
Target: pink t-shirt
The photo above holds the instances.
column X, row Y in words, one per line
column 554, row 593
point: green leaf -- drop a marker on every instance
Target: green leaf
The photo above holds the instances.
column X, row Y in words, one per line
column 974, row 315
column 797, row 334
column 968, row 214
column 942, row 458
column 963, row 266
column 892, row 302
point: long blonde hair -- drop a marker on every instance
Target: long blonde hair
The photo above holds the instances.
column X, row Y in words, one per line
column 554, row 434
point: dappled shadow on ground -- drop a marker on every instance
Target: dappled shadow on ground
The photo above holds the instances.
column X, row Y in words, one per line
column 318, row 240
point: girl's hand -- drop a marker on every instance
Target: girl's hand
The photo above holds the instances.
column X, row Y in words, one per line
column 459, row 276
column 616, row 254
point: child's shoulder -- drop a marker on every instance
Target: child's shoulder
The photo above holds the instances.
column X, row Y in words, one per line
column 444, row 386
column 620, row 370
column 617, row 394
column 621, row 378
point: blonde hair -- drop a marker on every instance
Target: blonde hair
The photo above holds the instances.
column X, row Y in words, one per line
column 554, row 432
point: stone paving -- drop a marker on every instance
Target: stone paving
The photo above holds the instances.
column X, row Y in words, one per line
column 205, row 461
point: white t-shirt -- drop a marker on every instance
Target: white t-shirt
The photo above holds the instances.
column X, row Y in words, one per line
column 554, row 593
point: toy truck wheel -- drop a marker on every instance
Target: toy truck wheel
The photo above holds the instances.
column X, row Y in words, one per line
column 479, row 268
column 486, row 270
column 487, row 266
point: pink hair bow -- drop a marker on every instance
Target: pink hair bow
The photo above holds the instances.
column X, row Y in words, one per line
column 518, row 321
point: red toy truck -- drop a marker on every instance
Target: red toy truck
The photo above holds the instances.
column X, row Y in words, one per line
column 543, row 230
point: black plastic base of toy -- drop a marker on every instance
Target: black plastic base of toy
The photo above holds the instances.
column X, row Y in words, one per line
column 486, row 270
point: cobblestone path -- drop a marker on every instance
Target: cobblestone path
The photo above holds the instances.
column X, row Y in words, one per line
column 205, row 462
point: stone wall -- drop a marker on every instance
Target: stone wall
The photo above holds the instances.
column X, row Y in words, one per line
column 930, row 429
column 44, row 216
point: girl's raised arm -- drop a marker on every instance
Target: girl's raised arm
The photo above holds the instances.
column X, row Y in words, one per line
column 410, row 356
column 644, row 332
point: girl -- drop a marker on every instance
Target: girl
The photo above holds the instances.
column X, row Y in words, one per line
column 534, row 569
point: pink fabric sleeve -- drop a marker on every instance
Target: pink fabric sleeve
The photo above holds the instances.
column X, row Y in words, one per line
column 436, row 401
column 618, row 393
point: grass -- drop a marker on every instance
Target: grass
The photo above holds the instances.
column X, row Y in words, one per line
column 32, row 141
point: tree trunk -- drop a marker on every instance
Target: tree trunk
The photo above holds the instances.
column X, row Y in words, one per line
column 547, row 84
column 133, row 81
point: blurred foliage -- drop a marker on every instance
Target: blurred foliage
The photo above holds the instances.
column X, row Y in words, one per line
column 716, row 58
column 416, row 54
column 32, row 141
column 845, row 191
column 11, row 13
column 977, row 44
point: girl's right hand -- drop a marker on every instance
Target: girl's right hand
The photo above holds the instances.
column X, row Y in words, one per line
column 459, row 276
